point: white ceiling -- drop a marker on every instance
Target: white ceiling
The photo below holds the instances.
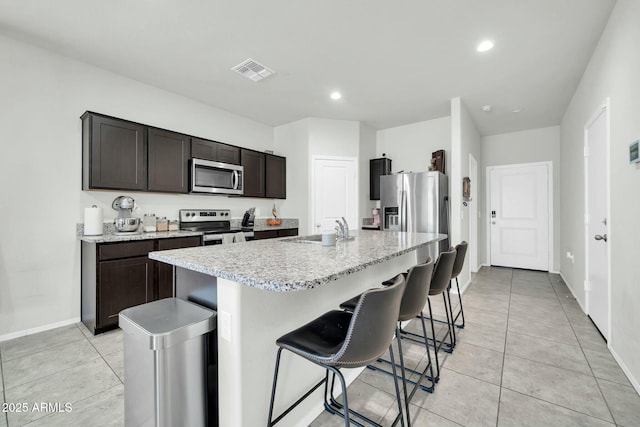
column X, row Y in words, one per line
column 396, row 62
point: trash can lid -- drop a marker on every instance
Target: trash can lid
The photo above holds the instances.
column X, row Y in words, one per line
column 167, row 322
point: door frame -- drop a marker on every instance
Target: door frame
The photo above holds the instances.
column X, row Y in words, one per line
column 549, row 165
column 312, row 185
column 473, row 215
column 606, row 107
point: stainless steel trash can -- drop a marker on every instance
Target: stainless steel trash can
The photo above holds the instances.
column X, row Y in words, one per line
column 165, row 363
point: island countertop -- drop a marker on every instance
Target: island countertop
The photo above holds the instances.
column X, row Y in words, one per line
column 289, row 265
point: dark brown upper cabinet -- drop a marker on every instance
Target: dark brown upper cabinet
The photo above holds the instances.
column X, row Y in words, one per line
column 114, row 153
column 377, row 168
column 168, row 166
column 254, row 172
column 214, row 151
column 276, row 177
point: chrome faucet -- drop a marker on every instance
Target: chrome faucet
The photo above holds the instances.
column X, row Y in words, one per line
column 342, row 229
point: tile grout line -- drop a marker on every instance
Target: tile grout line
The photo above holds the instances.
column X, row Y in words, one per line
column 105, row 360
column 4, row 392
column 604, row 399
column 558, row 405
column 504, row 353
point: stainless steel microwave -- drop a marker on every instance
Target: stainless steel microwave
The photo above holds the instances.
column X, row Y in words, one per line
column 215, row 177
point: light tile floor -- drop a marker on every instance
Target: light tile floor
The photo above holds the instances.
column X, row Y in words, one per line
column 527, row 357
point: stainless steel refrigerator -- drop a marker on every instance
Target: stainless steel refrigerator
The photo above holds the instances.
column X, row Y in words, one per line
column 416, row 202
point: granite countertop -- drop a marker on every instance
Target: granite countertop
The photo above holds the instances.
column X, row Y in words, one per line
column 109, row 235
column 260, row 224
column 289, row 265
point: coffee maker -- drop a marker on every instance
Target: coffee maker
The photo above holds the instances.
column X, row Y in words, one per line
column 248, row 218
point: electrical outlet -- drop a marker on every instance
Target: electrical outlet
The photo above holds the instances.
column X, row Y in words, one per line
column 224, row 325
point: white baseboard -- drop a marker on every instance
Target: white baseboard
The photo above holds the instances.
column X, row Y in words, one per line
column 463, row 288
column 555, row 272
column 572, row 292
column 634, row 382
column 43, row 328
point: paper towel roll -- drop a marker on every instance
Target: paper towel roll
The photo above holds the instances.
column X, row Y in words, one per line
column 93, row 221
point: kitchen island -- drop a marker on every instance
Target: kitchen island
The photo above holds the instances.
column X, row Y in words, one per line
column 268, row 288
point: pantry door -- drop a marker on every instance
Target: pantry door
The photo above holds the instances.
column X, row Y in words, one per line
column 334, row 193
column 519, row 215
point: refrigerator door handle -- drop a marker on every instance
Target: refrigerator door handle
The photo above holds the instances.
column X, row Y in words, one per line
column 403, row 211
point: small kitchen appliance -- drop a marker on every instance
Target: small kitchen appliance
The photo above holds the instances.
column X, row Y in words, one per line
column 214, row 223
column 125, row 222
column 249, row 216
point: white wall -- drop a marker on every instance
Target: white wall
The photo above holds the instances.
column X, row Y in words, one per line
column 465, row 140
column 43, row 96
column 367, row 152
column 612, row 72
column 293, row 139
column 529, row 146
column 409, row 147
column 310, row 137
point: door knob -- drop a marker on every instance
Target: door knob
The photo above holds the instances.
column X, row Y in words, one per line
column 599, row 237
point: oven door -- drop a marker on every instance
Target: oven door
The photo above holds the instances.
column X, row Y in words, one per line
column 215, row 177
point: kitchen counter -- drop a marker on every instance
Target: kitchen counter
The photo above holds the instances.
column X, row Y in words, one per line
column 250, row 280
column 110, row 237
column 289, row 264
column 260, row 224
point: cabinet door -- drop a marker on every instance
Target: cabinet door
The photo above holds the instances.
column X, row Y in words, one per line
column 114, row 154
column 267, row 234
column 288, row 232
column 254, row 173
column 169, row 154
column 377, row 168
column 276, row 177
column 203, row 149
column 228, row 154
column 165, row 271
column 214, row 151
column 122, row 284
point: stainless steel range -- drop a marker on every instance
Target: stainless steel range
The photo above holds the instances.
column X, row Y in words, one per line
column 214, row 223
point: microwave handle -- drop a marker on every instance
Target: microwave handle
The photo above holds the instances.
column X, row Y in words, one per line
column 235, row 180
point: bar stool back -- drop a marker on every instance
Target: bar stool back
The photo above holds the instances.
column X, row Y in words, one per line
column 461, row 252
column 344, row 339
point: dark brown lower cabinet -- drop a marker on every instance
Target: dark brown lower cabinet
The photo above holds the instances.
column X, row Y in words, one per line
column 272, row 234
column 122, row 284
column 116, row 276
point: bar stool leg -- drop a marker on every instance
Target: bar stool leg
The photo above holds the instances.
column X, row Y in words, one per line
column 461, row 313
column 451, row 339
column 435, row 344
column 404, row 379
column 452, row 328
column 273, row 388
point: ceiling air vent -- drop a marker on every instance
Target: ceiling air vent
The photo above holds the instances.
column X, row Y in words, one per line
column 253, row 70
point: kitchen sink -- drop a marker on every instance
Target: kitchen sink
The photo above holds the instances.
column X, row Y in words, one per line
column 314, row 238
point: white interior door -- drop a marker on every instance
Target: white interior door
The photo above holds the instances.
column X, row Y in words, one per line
column 596, row 225
column 334, row 193
column 519, row 216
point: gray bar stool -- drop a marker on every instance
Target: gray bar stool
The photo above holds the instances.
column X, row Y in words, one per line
column 461, row 251
column 440, row 281
column 340, row 339
column 413, row 301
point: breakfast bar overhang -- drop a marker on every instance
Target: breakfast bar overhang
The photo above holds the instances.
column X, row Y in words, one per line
column 267, row 288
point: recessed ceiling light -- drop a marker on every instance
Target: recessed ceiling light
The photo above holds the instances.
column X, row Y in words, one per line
column 484, row 46
column 516, row 110
column 486, row 108
column 335, row 95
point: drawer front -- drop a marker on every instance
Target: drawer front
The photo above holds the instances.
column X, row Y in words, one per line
column 288, row 232
column 108, row 251
column 179, row 243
